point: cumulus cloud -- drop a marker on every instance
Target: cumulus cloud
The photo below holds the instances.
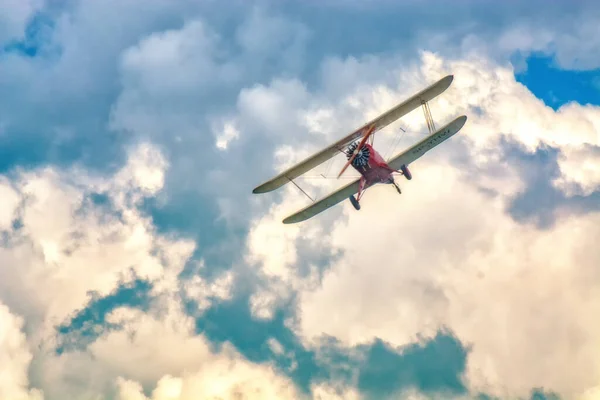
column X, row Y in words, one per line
column 10, row 200
column 447, row 253
column 189, row 51
column 159, row 350
column 14, row 16
column 67, row 233
column 580, row 167
column 204, row 292
column 225, row 378
column 274, row 39
column 182, row 362
column 522, row 297
column 499, row 286
column 226, row 135
column 66, row 245
column 14, row 359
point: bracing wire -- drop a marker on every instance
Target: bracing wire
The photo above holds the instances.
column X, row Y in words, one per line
column 329, row 163
column 396, row 142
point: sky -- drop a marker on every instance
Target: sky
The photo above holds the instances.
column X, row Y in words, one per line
column 136, row 264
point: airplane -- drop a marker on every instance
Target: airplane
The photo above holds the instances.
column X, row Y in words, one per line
column 365, row 159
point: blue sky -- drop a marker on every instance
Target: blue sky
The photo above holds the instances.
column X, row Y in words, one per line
column 557, row 87
column 136, row 262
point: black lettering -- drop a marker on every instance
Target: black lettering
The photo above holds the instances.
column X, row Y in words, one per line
column 432, row 141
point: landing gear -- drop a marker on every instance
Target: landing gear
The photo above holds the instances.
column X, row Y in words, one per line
column 406, row 172
column 354, row 202
column 361, row 191
column 393, row 182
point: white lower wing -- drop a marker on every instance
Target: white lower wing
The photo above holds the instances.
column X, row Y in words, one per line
column 417, row 150
column 404, row 158
column 323, row 204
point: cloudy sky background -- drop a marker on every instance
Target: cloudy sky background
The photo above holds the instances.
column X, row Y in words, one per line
column 136, row 263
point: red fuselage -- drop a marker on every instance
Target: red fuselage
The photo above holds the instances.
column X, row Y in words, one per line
column 376, row 170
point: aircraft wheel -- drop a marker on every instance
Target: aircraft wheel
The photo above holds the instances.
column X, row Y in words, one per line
column 354, row 202
column 406, row 172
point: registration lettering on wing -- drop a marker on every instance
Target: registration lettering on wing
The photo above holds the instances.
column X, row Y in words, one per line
column 433, row 141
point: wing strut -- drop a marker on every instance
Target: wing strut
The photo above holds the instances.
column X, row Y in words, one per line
column 428, row 116
column 302, row 190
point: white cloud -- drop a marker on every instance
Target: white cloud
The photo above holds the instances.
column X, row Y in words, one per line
column 499, row 286
column 160, row 351
column 271, row 110
column 224, row 379
column 592, row 394
column 326, row 392
column 15, row 358
column 176, row 61
column 164, row 76
column 273, row 39
column 14, row 16
column 228, row 134
column 67, row 247
column 144, row 171
column 447, row 253
column 181, row 363
column 204, row 292
column 578, row 49
column 566, row 32
column 580, row 167
column 167, row 75
column 10, row 201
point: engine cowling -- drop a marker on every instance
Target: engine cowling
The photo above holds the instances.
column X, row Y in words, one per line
column 361, row 159
column 406, row 172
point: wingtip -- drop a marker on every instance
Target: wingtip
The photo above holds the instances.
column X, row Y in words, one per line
column 462, row 120
column 290, row 219
column 259, row 189
column 266, row 187
column 445, row 82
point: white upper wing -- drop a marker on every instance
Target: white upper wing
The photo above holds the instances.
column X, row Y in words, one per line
column 404, row 158
column 380, row 122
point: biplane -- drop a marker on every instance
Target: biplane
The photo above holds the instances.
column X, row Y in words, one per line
column 365, row 159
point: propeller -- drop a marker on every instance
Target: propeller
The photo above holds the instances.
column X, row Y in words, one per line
column 368, row 133
column 362, row 159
